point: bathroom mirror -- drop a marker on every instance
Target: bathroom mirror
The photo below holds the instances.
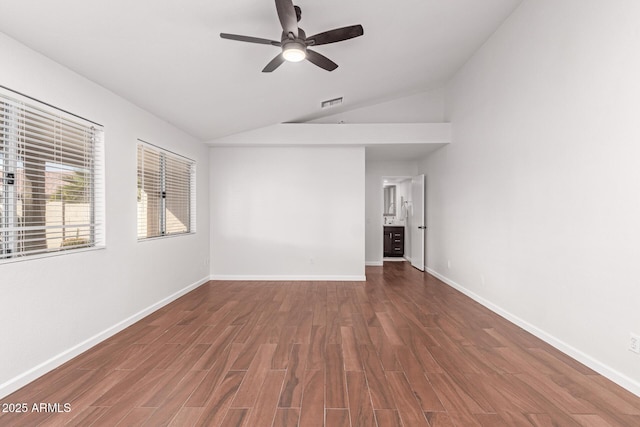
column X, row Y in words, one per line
column 389, row 200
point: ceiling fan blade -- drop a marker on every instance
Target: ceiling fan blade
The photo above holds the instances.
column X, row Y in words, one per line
column 275, row 63
column 321, row 60
column 337, row 35
column 287, row 16
column 249, row 39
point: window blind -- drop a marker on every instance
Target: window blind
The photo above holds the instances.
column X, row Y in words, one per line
column 166, row 193
column 50, row 179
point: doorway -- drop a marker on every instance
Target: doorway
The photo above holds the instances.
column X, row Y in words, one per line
column 404, row 219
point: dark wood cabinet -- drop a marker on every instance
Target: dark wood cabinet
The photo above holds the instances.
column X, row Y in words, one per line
column 393, row 241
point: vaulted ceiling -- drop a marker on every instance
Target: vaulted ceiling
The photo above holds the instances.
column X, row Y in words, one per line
column 167, row 57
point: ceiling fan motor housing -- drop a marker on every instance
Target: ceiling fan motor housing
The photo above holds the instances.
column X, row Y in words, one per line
column 294, row 49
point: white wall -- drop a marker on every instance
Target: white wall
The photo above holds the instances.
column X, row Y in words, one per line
column 536, row 201
column 423, row 107
column 375, row 171
column 290, row 213
column 53, row 308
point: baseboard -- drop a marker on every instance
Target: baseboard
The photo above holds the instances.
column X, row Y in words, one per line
column 267, row 278
column 617, row 377
column 25, row 378
column 373, row 263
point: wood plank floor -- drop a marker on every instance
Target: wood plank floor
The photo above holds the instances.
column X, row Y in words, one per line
column 402, row 349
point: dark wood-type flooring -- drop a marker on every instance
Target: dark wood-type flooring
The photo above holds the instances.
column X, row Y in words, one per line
column 402, row 349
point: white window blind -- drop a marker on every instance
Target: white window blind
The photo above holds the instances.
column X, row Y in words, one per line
column 166, row 192
column 50, row 179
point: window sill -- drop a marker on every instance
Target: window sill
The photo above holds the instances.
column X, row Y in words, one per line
column 20, row 258
column 170, row 236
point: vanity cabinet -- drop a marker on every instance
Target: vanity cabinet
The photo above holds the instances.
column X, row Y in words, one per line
column 393, row 241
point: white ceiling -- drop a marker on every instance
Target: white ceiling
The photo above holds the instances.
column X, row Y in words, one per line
column 166, row 56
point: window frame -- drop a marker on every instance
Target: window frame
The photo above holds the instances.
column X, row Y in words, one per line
column 22, row 116
column 163, row 154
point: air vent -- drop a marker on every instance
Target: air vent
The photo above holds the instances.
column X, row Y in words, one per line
column 331, row 103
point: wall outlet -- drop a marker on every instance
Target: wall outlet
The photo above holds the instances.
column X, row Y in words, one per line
column 448, row 263
column 634, row 343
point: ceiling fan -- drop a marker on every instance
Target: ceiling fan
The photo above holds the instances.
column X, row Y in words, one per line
column 295, row 43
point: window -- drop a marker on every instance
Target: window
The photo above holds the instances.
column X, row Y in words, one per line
column 50, row 179
column 166, row 193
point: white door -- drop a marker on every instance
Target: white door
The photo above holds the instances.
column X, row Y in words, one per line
column 418, row 222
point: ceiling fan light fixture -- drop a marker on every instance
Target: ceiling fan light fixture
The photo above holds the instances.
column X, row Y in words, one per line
column 294, row 52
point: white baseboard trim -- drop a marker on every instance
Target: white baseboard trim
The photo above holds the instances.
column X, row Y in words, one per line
column 617, row 377
column 25, row 378
column 258, row 278
column 374, row 263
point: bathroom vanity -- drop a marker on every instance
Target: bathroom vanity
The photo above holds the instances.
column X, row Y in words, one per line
column 393, row 241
